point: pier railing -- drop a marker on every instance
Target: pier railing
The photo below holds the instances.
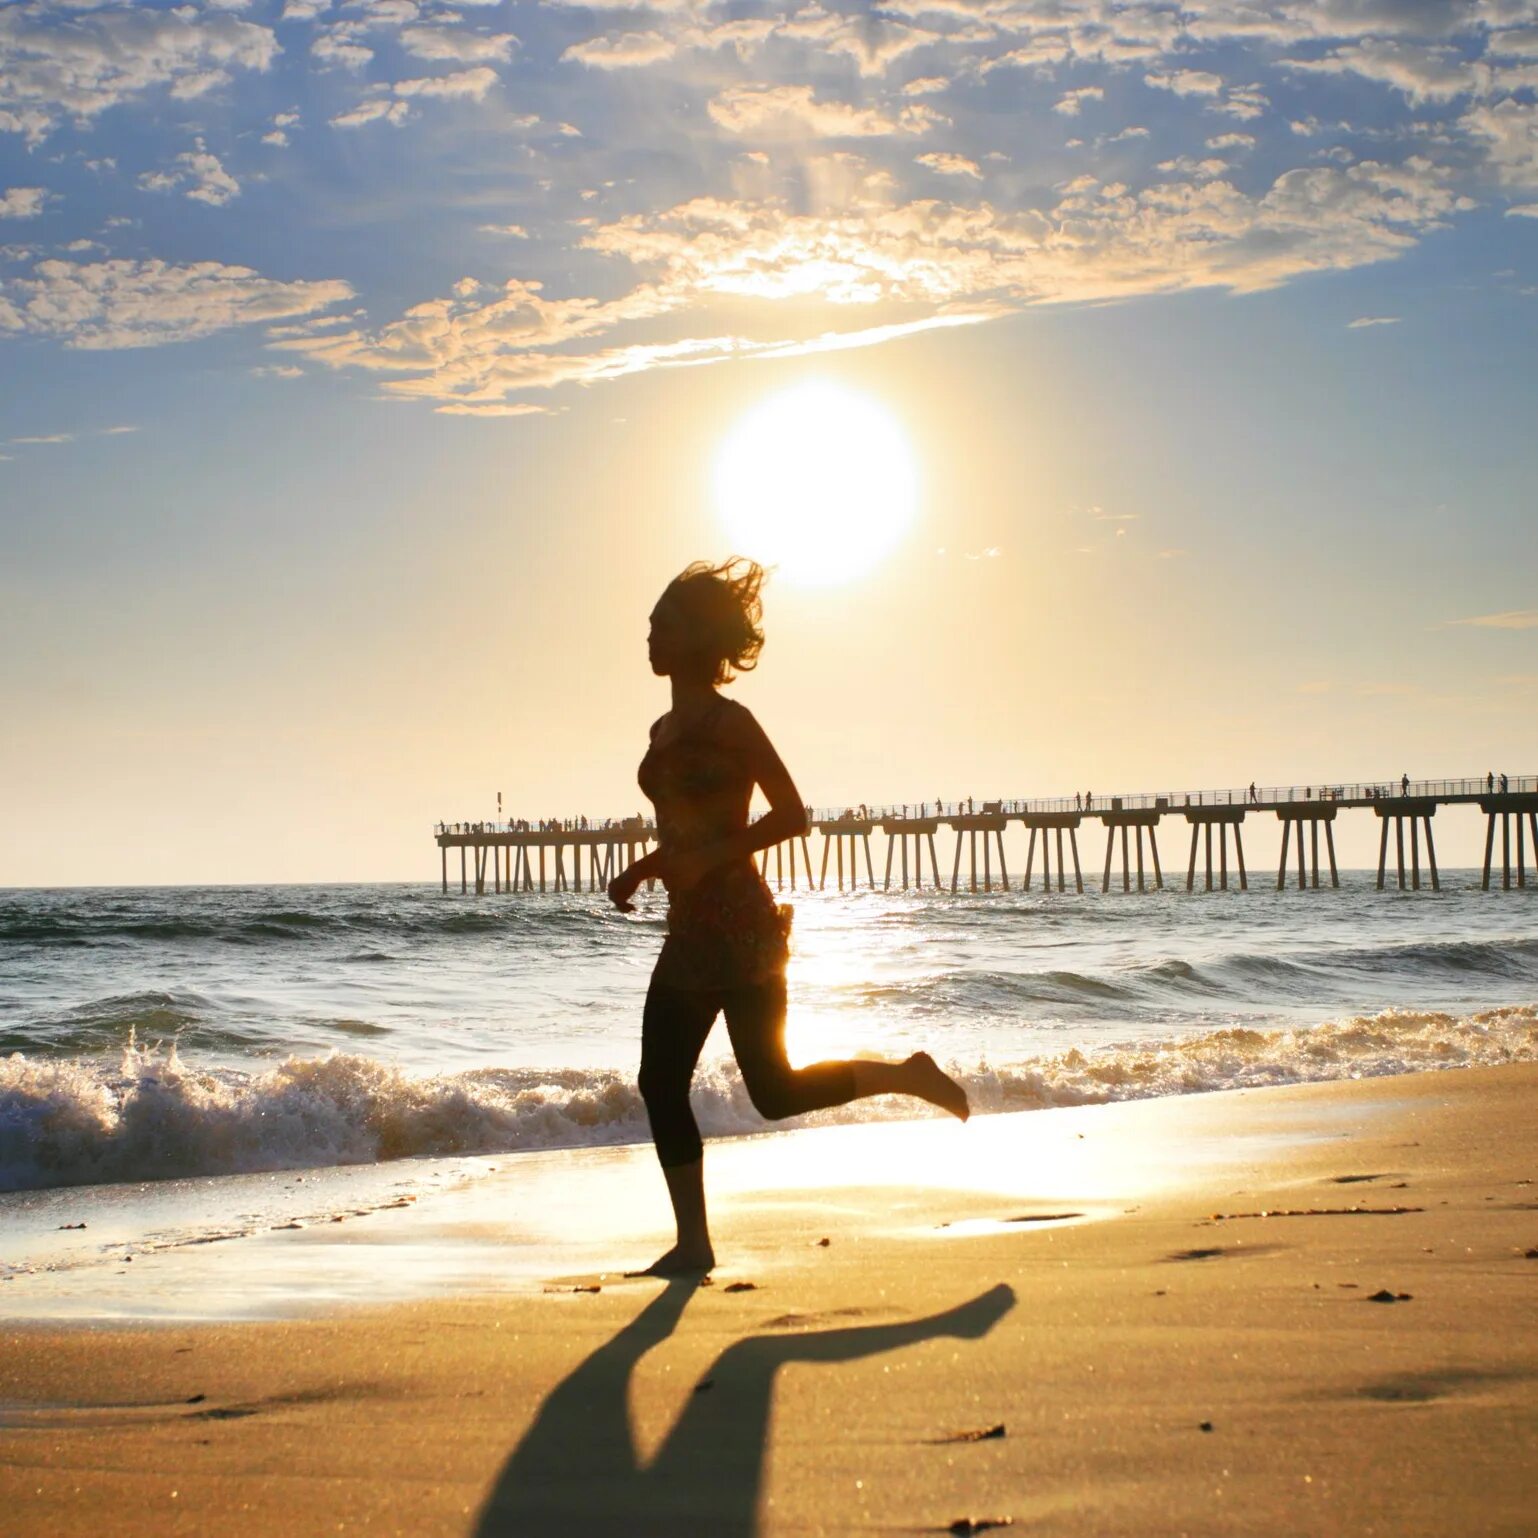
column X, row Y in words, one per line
column 1093, row 803
column 1402, row 806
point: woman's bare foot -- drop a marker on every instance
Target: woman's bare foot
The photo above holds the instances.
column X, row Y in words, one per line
column 681, row 1260
column 931, row 1083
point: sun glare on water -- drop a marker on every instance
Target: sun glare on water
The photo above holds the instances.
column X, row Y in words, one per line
column 818, row 482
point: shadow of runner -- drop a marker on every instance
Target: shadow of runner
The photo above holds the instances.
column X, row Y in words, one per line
column 576, row 1469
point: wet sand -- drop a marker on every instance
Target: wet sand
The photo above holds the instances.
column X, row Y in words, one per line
column 1301, row 1310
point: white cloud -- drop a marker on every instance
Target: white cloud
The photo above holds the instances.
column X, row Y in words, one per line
column 197, row 174
column 909, row 266
column 625, row 50
column 1363, row 321
column 1421, row 73
column 22, row 202
column 45, row 438
column 57, row 63
column 393, row 103
column 466, row 84
column 339, row 49
column 793, row 112
column 1508, row 131
column 1510, row 619
column 441, row 43
column 1071, row 102
column 944, row 163
column 1186, row 82
column 113, row 304
column 277, row 371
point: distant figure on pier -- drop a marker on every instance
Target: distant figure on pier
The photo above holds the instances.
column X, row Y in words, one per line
column 727, row 941
column 1078, row 800
column 1503, row 784
column 1089, row 801
column 1254, row 794
column 1404, row 785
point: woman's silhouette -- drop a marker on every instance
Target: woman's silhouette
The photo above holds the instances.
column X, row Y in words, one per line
column 727, row 941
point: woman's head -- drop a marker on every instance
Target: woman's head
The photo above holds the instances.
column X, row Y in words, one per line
column 706, row 624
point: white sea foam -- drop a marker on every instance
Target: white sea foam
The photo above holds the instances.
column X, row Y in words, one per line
column 79, row 1121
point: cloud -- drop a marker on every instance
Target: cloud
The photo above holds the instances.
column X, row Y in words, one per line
column 1424, row 74
column 46, row 438
column 1510, row 619
column 22, row 202
column 944, row 163
column 58, row 62
column 1508, row 132
column 906, row 265
column 1522, row 211
column 626, row 50
column 1186, row 82
column 1070, row 103
column 449, row 43
column 793, row 112
column 198, row 175
column 114, row 304
column 1363, row 321
column 393, row 104
column 340, row 50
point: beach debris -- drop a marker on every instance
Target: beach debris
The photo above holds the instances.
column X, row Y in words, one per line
column 824, row 1242
column 1351, row 1180
column 1205, row 1426
column 965, row 1525
column 195, row 1399
column 1316, row 1212
column 1209, row 1254
column 63, row 1226
column 1044, row 1217
column 704, row 1384
column 1383, row 1295
column 740, row 1287
column 979, row 1434
column 295, row 1224
column 588, row 1287
column 1530, row 1255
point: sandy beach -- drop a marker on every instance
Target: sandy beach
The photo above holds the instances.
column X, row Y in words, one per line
column 1301, row 1310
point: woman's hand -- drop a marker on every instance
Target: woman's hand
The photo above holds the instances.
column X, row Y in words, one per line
column 623, row 887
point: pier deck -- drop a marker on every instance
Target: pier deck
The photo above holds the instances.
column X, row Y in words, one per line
column 517, row 855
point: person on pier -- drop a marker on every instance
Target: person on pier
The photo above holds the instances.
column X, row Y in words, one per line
column 727, row 942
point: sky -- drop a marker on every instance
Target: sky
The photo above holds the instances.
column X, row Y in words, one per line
column 365, row 367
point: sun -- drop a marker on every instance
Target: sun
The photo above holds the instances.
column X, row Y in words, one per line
column 817, row 481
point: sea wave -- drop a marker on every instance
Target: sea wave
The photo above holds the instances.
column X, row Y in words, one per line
column 150, row 1116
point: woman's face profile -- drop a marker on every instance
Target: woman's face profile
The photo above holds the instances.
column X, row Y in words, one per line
column 667, row 639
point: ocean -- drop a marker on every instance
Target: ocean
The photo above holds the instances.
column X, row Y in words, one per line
column 167, row 1033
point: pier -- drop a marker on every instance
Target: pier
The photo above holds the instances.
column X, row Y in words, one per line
column 517, row 855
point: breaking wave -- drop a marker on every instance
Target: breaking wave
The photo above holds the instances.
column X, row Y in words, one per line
column 150, row 1116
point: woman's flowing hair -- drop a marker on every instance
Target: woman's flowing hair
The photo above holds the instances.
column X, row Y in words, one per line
column 722, row 607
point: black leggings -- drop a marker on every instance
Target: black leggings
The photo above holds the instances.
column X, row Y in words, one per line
column 674, row 1026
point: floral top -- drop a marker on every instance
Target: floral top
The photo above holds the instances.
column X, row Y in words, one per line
column 726, row 931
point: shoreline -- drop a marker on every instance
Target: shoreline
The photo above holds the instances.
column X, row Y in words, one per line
column 952, row 1302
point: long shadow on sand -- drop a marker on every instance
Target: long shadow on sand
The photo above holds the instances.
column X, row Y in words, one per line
column 577, row 1469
